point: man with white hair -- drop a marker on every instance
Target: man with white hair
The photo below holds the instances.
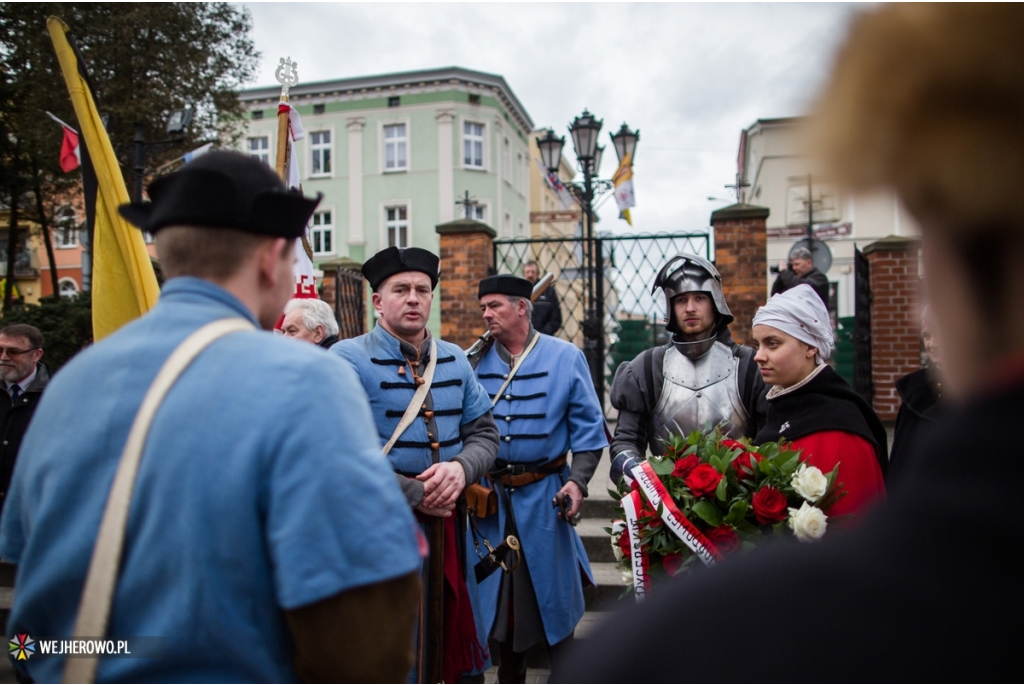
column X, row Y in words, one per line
column 311, row 320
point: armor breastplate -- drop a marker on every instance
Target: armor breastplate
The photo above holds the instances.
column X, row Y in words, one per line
column 697, row 395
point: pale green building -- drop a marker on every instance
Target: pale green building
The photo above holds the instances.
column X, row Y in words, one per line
column 392, row 154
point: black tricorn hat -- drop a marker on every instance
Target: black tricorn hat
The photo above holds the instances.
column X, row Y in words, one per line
column 224, row 189
column 394, row 260
column 505, row 284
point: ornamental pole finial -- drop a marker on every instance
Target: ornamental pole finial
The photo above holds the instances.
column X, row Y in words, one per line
column 287, row 75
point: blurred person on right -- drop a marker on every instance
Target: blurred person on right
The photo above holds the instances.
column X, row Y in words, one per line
column 926, row 100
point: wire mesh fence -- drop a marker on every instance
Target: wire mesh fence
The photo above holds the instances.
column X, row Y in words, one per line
column 632, row 317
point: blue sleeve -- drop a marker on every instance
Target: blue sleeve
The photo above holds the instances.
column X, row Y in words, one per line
column 586, row 418
column 475, row 401
column 336, row 517
column 12, row 534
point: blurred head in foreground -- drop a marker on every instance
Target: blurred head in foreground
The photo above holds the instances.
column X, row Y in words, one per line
column 928, row 100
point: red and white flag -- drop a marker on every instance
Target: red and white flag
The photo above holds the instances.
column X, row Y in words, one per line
column 70, row 153
column 305, row 280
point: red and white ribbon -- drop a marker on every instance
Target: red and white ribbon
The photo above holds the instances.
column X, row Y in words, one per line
column 674, row 519
column 631, row 504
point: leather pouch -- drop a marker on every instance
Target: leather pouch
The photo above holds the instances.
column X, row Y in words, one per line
column 481, row 501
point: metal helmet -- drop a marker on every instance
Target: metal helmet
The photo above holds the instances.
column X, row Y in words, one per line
column 687, row 273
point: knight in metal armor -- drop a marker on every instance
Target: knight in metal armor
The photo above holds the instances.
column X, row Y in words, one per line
column 699, row 380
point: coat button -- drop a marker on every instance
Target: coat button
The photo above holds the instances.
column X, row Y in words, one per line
column 508, row 438
column 508, row 397
column 505, row 377
column 508, row 418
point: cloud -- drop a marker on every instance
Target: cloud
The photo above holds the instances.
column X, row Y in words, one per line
column 689, row 76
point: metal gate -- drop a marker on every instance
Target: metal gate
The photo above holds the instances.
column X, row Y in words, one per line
column 862, row 384
column 609, row 312
column 345, row 290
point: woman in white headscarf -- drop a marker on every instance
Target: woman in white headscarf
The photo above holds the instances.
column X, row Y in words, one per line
column 810, row 405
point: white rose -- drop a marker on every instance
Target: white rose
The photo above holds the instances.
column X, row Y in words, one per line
column 615, row 547
column 627, row 577
column 808, row 523
column 809, row 482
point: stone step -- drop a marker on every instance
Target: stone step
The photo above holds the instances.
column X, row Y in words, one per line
column 609, row 588
column 596, row 541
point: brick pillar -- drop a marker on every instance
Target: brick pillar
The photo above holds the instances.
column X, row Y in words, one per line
column 895, row 318
column 467, row 255
column 741, row 256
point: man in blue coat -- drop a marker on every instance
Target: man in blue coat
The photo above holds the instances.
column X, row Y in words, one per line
column 265, row 526
column 545, row 407
column 450, row 443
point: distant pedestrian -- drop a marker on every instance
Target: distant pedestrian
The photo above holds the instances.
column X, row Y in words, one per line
column 311, row 320
column 798, row 270
column 25, row 377
column 921, row 394
column 547, row 312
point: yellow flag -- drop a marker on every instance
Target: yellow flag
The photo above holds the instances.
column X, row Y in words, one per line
column 124, row 286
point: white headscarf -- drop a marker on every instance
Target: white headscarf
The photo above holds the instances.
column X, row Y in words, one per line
column 800, row 313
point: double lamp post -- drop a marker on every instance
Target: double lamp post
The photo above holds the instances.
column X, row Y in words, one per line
column 584, row 130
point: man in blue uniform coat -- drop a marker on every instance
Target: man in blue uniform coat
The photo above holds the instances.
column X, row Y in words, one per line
column 265, row 525
column 547, row 409
column 451, row 442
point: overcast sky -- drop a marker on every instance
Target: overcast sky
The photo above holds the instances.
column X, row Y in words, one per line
column 690, row 77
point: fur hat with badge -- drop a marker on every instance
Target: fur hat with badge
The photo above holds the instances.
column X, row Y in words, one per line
column 224, row 189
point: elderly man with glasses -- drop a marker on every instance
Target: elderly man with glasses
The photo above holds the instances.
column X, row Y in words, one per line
column 24, row 378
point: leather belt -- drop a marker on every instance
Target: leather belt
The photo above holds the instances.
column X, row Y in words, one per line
column 514, row 475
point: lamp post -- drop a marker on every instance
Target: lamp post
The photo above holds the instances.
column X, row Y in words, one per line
column 584, row 131
column 177, row 126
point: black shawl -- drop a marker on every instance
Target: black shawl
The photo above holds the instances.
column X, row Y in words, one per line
column 826, row 403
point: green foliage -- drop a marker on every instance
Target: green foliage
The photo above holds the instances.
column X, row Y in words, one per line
column 65, row 322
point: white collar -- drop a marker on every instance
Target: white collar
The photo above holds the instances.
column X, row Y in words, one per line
column 778, row 391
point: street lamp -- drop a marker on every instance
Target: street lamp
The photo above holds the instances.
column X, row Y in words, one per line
column 625, row 142
column 584, row 130
column 177, row 128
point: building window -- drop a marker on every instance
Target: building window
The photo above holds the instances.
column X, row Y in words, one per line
column 473, row 145
column 507, row 227
column 396, row 223
column 474, row 99
column 257, row 114
column 520, row 173
column 478, row 212
column 322, row 233
column 394, row 101
column 506, row 162
column 68, row 287
column 520, row 230
column 66, row 227
column 259, row 148
column 320, row 153
column 395, row 140
column 318, row 109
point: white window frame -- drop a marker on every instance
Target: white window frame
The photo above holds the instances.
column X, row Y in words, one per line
column 506, row 161
column 520, row 230
column 520, row 176
column 485, row 206
column 329, row 147
column 62, row 282
column 462, row 147
column 61, row 217
column 330, row 228
column 383, row 207
column 506, row 225
column 270, row 145
column 382, row 149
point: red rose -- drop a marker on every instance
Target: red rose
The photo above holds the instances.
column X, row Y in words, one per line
column 685, row 465
column 624, row 545
column 724, row 538
column 745, row 465
column 672, row 562
column 732, row 444
column 703, row 480
column 769, row 506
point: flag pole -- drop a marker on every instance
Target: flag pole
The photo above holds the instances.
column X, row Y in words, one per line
column 287, row 75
